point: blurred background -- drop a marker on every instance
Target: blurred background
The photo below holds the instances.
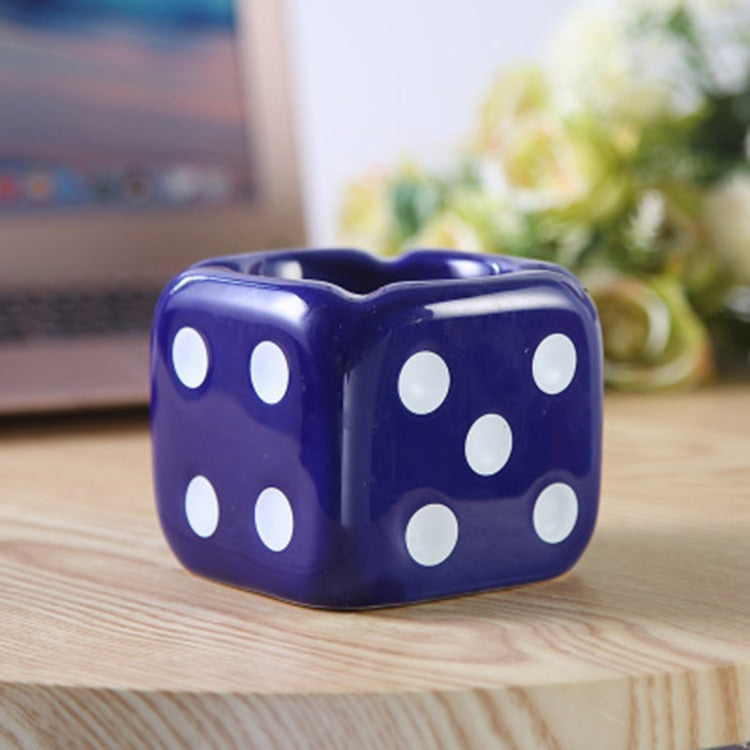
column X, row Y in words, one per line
column 138, row 136
column 377, row 83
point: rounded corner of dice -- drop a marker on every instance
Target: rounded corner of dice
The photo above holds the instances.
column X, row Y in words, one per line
column 342, row 431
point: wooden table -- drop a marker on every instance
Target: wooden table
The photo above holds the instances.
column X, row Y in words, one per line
column 106, row 641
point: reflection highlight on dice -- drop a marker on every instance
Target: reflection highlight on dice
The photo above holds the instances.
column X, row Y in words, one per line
column 387, row 445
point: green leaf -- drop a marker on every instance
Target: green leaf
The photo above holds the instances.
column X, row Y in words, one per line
column 414, row 203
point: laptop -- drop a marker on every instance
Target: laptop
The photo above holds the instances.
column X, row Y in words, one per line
column 135, row 139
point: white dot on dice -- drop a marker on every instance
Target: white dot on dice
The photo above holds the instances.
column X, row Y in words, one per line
column 190, row 357
column 269, row 372
column 554, row 364
column 423, row 382
column 201, row 506
column 431, row 534
column 555, row 513
column 488, row 445
column 274, row 520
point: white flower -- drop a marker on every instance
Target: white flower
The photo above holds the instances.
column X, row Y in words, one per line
column 648, row 219
column 624, row 59
column 725, row 35
column 723, row 32
column 595, row 64
column 727, row 213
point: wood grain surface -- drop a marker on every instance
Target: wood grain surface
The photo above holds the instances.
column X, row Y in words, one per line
column 105, row 641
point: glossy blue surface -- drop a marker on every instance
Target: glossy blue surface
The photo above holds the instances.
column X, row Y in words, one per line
column 301, row 449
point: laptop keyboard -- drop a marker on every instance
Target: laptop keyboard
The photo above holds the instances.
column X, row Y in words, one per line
column 72, row 313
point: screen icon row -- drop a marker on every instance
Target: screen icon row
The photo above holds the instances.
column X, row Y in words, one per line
column 33, row 186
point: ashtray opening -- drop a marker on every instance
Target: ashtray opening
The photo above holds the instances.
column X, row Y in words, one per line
column 359, row 273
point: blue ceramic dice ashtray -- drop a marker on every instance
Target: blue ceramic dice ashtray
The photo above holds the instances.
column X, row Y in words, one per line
column 344, row 432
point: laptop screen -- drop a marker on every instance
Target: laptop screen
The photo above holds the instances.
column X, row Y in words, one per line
column 136, row 137
column 121, row 106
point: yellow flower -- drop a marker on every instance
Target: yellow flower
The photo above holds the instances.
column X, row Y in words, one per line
column 476, row 221
column 448, row 230
column 515, row 95
column 365, row 216
column 652, row 337
column 535, row 160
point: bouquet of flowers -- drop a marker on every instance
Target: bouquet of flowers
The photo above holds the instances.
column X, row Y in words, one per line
column 626, row 160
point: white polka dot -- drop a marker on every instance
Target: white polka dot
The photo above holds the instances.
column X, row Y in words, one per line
column 555, row 513
column 554, row 363
column 274, row 520
column 201, row 506
column 431, row 534
column 190, row 357
column 423, row 382
column 269, row 372
column 488, row 444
